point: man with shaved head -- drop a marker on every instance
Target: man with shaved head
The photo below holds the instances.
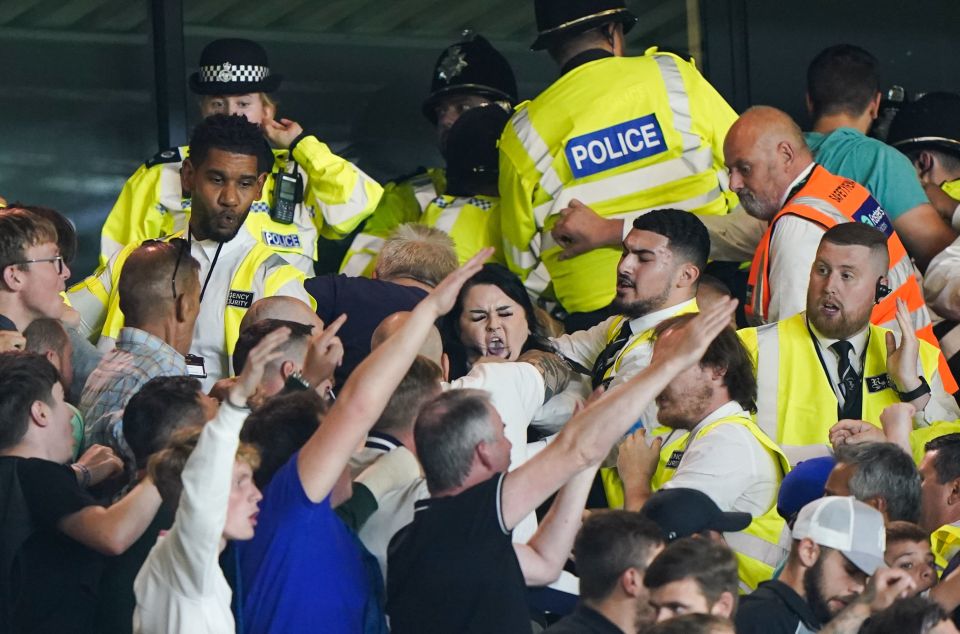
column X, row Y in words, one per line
column 280, row 307
column 773, row 172
column 159, row 291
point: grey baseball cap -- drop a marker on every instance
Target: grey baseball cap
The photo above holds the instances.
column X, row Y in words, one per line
column 847, row 525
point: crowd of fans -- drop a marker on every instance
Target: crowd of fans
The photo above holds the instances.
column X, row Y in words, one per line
column 211, row 434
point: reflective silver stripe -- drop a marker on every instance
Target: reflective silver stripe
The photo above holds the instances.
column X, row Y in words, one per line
column 425, row 194
column 900, row 272
column 822, row 206
column 449, row 217
column 362, row 251
column 919, row 317
column 950, row 342
column 538, row 280
column 522, row 258
column 691, row 163
column 339, row 213
column 768, row 378
column 679, row 101
column 756, row 300
column 755, row 548
column 538, row 152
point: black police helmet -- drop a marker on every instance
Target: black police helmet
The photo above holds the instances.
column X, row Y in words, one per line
column 932, row 120
column 233, row 66
column 557, row 19
column 471, row 66
column 471, row 150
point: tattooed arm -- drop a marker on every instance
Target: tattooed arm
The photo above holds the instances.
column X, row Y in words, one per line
column 556, row 372
column 885, row 586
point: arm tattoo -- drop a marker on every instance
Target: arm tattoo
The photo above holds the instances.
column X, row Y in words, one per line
column 556, row 373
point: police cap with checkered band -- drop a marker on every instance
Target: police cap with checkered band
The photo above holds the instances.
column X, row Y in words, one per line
column 233, row 66
column 471, row 66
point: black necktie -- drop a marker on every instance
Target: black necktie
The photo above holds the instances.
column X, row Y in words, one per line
column 609, row 355
column 848, row 378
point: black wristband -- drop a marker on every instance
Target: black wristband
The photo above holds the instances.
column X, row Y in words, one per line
column 917, row 392
column 300, row 137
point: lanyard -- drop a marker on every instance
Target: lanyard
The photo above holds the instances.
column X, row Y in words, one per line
column 203, row 289
column 823, row 364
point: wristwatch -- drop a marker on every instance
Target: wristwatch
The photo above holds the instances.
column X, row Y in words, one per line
column 917, row 392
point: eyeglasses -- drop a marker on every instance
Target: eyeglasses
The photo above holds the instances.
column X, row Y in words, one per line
column 58, row 259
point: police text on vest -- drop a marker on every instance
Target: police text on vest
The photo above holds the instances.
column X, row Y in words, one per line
column 614, row 146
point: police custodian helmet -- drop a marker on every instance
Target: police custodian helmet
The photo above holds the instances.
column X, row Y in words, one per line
column 932, row 120
column 233, row 66
column 559, row 18
column 471, row 66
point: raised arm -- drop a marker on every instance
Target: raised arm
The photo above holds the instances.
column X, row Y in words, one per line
column 588, row 437
column 366, row 392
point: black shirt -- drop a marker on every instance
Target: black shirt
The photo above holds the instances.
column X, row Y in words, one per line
column 49, row 581
column 366, row 303
column 584, row 620
column 453, row 569
column 7, row 324
column 775, row 608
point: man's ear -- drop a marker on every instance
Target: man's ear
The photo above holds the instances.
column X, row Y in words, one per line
column 925, row 162
column 260, row 181
column 183, row 306
column 688, row 276
column 287, row 368
column 13, row 277
column 874, row 108
column 808, row 552
column 39, row 413
column 786, row 152
column 445, row 366
column 809, row 102
column 879, row 503
column 724, row 606
column 953, row 497
column 632, row 582
column 187, row 176
column 484, row 456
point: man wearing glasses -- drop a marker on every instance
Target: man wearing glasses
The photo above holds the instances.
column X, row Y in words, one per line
column 33, row 271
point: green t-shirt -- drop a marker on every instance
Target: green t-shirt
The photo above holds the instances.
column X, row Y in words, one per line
column 882, row 169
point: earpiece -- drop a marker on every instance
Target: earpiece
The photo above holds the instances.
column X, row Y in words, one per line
column 882, row 291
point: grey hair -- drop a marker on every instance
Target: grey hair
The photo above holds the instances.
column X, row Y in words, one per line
column 447, row 432
column 884, row 470
column 417, row 252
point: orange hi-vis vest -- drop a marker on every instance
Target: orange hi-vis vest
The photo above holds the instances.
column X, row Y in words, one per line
column 828, row 200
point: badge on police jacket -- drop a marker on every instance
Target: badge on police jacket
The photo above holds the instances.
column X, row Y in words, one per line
column 240, row 299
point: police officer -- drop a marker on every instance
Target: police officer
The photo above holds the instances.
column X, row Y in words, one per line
column 321, row 193
column 621, row 134
column 928, row 132
column 470, row 210
column 468, row 74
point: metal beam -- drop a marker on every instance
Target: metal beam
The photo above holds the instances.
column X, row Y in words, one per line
column 169, row 71
column 725, row 45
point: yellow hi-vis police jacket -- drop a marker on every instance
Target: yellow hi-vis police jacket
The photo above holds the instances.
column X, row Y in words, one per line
column 945, row 544
column 757, row 547
column 472, row 221
column 796, row 404
column 402, row 202
column 623, row 135
column 337, row 196
column 256, row 271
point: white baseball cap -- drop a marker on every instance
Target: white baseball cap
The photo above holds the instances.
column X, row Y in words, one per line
column 845, row 524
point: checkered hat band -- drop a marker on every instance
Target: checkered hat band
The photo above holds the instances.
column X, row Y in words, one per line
column 226, row 73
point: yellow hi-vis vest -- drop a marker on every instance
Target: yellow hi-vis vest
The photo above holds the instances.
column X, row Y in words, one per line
column 473, row 222
column 242, row 281
column 623, row 135
column 796, row 404
column 920, row 437
column 945, row 543
column 757, row 547
column 402, row 202
column 337, row 196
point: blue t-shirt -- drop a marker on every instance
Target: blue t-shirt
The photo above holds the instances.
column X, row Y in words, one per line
column 882, row 169
column 304, row 571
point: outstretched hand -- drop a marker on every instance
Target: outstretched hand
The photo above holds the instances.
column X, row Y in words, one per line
column 688, row 342
column 902, row 359
column 324, row 354
column 444, row 296
column 261, row 354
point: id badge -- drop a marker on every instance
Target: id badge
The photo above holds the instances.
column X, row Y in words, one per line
column 195, row 367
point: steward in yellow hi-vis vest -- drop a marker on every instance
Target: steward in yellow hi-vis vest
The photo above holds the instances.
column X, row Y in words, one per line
column 620, row 134
column 309, row 191
column 468, row 74
column 470, row 212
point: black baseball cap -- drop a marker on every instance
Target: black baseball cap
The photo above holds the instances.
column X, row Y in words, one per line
column 685, row 512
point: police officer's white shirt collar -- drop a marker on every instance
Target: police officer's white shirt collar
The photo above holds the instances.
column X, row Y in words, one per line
column 730, row 408
column 799, row 179
column 648, row 321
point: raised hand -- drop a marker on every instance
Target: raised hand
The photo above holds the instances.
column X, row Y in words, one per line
column 261, row 355
column 324, row 354
column 687, row 343
column 581, row 229
column 444, row 296
column 281, row 133
column 902, row 359
column 851, row 432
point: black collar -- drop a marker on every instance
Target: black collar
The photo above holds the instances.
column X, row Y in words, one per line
column 580, row 59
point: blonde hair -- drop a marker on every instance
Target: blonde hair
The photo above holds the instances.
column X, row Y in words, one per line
column 166, row 466
column 418, row 252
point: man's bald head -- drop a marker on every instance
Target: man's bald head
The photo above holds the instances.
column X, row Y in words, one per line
column 146, row 287
column 281, row 307
column 765, row 152
column 432, row 348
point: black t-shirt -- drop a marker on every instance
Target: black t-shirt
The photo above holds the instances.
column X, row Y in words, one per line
column 775, row 608
column 584, row 620
column 453, row 569
column 366, row 302
column 49, row 580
